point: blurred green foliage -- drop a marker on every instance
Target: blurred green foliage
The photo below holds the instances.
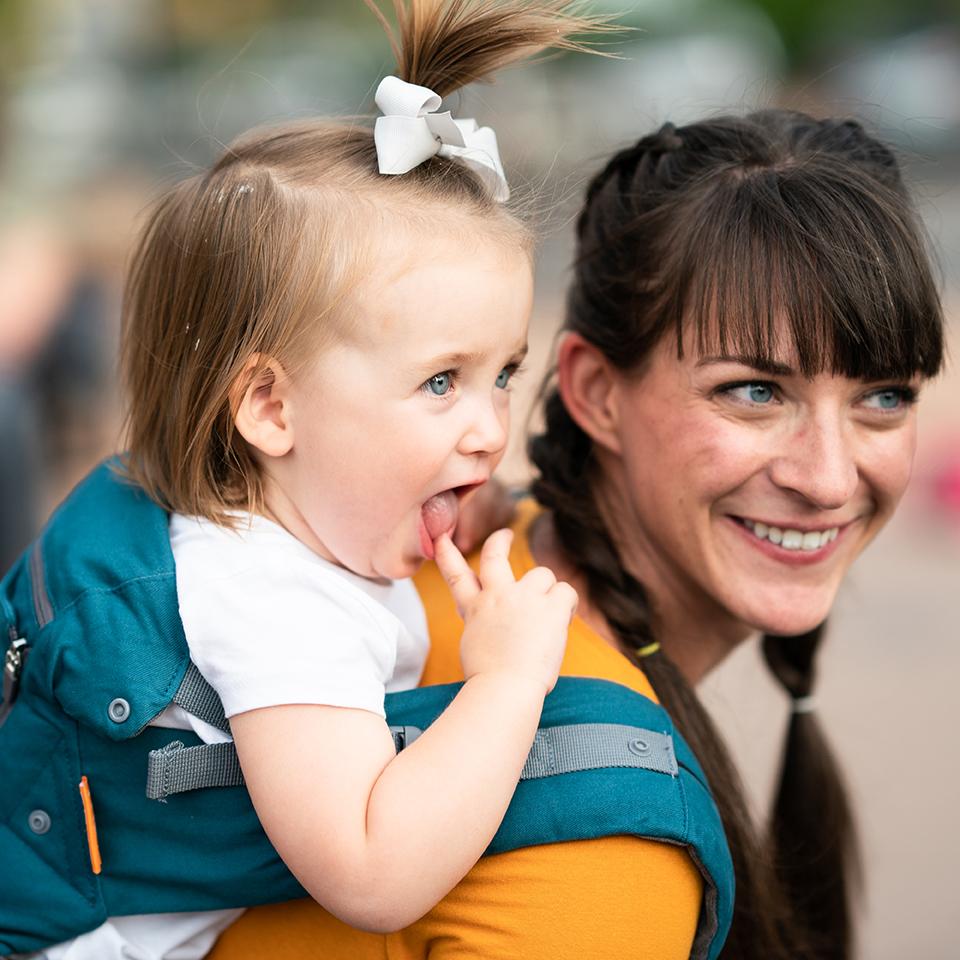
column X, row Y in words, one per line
column 13, row 38
column 812, row 29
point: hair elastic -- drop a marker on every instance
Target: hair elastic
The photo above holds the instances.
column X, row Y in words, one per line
column 648, row 649
column 803, row 705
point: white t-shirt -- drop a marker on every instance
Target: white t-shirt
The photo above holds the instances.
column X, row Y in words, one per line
column 268, row 622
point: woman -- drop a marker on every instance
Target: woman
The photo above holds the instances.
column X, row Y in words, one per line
column 751, row 317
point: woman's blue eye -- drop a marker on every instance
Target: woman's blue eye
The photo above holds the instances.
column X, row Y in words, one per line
column 439, row 384
column 759, row 393
column 503, row 377
column 892, row 398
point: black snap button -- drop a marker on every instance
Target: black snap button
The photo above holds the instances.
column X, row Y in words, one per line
column 39, row 821
column 119, row 710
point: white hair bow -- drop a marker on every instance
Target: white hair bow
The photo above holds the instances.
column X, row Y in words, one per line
column 411, row 131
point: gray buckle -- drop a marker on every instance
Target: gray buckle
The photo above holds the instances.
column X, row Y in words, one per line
column 404, row 736
column 13, row 662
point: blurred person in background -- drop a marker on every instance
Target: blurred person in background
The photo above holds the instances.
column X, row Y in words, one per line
column 32, row 295
column 60, row 243
column 54, row 364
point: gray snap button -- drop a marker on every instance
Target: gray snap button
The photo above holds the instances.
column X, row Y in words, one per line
column 639, row 747
column 39, row 821
column 119, row 710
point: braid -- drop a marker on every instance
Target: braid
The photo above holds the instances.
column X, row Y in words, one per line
column 815, row 846
column 563, row 486
column 623, row 167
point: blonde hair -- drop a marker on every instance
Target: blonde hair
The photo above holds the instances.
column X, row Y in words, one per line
column 254, row 256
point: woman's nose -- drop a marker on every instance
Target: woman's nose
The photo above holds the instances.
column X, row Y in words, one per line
column 819, row 462
column 487, row 429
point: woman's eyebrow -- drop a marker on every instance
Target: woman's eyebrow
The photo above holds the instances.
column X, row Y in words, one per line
column 763, row 364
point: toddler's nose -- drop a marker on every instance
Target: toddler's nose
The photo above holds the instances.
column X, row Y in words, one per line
column 487, row 430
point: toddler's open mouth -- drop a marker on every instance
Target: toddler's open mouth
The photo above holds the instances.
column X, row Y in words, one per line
column 439, row 515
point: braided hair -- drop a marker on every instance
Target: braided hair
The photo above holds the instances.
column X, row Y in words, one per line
column 727, row 226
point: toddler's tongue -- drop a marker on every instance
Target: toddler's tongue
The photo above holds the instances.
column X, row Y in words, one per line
column 439, row 515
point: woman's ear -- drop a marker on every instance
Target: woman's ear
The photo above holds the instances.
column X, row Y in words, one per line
column 588, row 387
column 261, row 405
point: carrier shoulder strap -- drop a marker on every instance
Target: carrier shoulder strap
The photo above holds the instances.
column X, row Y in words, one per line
column 198, row 698
column 566, row 748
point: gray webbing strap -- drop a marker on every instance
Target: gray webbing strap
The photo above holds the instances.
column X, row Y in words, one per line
column 177, row 768
column 566, row 749
column 197, row 697
column 591, row 746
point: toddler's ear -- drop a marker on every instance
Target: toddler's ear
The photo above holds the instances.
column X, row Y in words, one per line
column 261, row 406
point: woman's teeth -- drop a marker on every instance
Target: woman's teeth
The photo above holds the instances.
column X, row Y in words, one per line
column 792, row 539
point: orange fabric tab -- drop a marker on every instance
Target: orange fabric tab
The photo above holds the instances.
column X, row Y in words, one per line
column 92, row 843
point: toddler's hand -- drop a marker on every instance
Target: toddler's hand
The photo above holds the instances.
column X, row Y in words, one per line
column 517, row 627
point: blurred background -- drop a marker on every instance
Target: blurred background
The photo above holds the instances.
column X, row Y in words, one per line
column 105, row 103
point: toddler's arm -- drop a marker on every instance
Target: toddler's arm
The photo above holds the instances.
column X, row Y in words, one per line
column 377, row 838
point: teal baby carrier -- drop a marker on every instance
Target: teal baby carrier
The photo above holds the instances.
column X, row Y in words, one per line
column 95, row 650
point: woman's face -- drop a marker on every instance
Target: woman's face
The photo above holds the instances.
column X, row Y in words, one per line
column 749, row 488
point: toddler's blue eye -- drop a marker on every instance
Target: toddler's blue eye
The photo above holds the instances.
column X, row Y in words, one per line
column 503, row 377
column 439, row 384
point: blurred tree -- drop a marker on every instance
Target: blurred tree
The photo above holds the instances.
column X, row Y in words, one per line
column 14, row 48
column 213, row 20
column 812, row 29
column 13, row 14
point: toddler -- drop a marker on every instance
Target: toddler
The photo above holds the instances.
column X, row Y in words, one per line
column 319, row 337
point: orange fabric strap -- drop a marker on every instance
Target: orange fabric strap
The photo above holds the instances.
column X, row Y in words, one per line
column 91, row 824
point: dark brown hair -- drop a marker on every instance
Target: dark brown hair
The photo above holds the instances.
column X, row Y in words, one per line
column 256, row 256
column 732, row 228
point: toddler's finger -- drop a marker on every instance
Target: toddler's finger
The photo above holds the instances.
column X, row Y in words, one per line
column 494, row 559
column 542, row 578
column 567, row 594
column 461, row 580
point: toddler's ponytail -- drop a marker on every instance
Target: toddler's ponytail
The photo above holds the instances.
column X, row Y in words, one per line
column 447, row 44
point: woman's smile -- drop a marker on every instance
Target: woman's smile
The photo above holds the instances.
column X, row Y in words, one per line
column 791, row 543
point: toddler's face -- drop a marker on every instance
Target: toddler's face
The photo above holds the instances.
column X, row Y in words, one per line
column 411, row 408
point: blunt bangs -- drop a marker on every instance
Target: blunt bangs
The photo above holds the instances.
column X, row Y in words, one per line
column 813, row 250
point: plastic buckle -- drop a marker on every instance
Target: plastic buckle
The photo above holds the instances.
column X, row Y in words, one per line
column 13, row 662
column 404, row 736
